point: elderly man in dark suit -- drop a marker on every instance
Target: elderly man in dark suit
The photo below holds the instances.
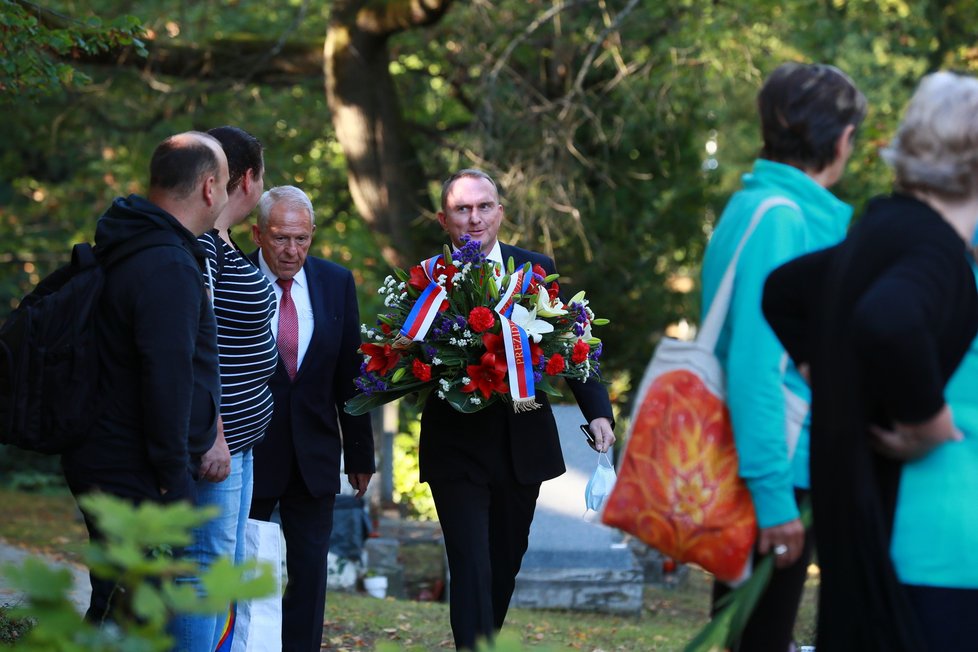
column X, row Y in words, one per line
column 485, row 468
column 297, row 465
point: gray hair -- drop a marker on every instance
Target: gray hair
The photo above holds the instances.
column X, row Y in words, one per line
column 935, row 148
column 291, row 196
column 475, row 173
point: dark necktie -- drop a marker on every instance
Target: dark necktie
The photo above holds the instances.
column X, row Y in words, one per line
column 288, row 329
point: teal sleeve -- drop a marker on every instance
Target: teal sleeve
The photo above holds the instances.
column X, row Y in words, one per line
column 754, row 370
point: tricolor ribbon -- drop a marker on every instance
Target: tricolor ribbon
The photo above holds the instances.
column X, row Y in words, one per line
column 425, row 309
column 519, row 362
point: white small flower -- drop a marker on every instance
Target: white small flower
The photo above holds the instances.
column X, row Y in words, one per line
column 466, row 380
column 436, row 361
column 456, row 327
column 379, row 337
column 445, row 384
column 381, row 290
column 475, row 400
column 441, row 394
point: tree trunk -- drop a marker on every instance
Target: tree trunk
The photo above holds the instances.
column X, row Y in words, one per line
column 386, row 178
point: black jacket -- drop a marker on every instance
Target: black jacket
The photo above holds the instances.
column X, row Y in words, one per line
column 159, row 380
column 309, row 427
column 883, row 319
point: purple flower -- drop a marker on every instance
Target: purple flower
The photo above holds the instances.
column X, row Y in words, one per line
column 369, row 382
column 429, row 351
column 537, row 376
column 469, row 252
column 596, row 351
column 578, row 329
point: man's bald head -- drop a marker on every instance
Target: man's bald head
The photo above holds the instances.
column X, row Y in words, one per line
column 182, row 161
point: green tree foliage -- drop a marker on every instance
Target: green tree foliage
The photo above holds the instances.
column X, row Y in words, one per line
column 36, row 43
column 136, row 554
column 617, row 128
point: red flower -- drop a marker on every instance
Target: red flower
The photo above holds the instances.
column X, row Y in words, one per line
column 382, row 358
column 580, row 352
column 494, row 344
column 421, row 370
column 481, row 319
column 487, row 377
column 448, row 270
column 537, row 274
column 536, row 352
column 385, row 328
column 555, row 364
column 418, row 280
column 553, row 290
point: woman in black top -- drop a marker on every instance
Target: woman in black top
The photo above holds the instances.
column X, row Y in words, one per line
column 882, row 320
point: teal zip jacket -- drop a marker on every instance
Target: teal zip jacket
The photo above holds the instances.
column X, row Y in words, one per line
column 935, row 532
column 757, row 369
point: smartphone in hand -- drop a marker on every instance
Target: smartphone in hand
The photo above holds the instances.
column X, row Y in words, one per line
column 590, row 437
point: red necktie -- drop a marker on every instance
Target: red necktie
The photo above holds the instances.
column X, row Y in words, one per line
column 288, row 329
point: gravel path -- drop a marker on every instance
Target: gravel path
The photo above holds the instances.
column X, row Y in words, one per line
column 13, row 555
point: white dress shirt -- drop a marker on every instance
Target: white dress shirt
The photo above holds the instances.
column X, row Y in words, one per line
column 303, row 305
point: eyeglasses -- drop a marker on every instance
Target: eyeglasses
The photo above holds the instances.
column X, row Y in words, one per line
column 482, row 208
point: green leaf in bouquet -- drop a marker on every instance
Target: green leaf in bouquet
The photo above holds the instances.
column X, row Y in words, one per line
column 446, row 251
column 551, row 278
column 422, row 395
column 398, row 374
column 363, row 403
column 594, row 341
column 493, row 288
column 401, row 275
column 600, row 321
column 510, row 265
column 547, row 387
column 460, row 401
column 735, row 608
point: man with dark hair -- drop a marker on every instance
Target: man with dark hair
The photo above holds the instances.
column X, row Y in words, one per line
column 297, row 465
column 809, row 115
column 485, row 468
column 157, row 340
column 244, row 303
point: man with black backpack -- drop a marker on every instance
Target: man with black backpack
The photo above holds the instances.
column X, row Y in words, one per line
column 158, row 376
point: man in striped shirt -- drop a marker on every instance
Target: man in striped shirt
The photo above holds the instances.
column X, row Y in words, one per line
column 243, row 302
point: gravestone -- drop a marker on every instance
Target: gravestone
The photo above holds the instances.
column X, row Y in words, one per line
column 573, row 561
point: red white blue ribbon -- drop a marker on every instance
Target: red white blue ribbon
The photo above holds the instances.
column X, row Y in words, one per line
column 426, row 308
column 519, row 280
column 519, row 365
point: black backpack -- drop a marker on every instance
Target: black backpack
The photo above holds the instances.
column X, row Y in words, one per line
column 49, row 362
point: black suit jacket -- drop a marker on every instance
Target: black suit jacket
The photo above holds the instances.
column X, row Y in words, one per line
column 454, row 445
column 309, row 419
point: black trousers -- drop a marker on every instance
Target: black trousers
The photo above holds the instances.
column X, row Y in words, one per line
column 486, row 526
column 771, row 626
column 307, row 522
column 946, row 616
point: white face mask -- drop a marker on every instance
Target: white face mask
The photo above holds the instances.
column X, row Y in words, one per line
column 601, row 483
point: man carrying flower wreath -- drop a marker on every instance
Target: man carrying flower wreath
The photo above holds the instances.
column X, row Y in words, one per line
column 485, row 467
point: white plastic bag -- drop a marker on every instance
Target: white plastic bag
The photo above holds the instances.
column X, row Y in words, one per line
column 258, row 625
column 599, row 486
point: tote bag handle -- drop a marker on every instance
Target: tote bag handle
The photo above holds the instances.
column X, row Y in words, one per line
column 717, row 314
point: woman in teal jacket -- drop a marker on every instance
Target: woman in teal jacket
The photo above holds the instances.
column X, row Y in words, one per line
column 809, row 115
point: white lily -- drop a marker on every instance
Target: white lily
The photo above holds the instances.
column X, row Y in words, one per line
column 547, row 308
column 527, row 320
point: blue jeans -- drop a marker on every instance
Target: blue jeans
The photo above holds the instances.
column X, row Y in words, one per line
column 221, row 537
